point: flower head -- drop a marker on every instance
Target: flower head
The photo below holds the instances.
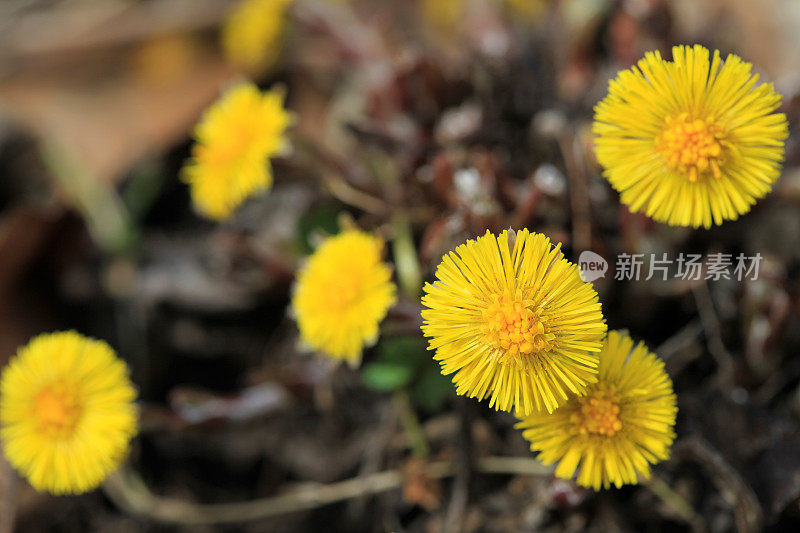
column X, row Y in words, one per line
column 510, row 316
column 444, row 16
column 66, row 412
column 530, row 10
column 342, row 294
column 690, row 141
column 623, row 424
column 234, row 142
column 251, row 36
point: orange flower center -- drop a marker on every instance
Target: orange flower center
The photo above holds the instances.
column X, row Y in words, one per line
column 510, row 325
column 598, row 414
column 57, row 410
column 692, row 147
column 227, row 151
column 343, row 294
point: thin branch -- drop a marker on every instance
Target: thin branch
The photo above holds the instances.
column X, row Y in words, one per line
column 580, row 203
column 728, row 481
column 454, row 518
column 374, row 455
column 332, row 173
column 518, row 466
column 679, row 340
column 676, row 502
column 711, row 325
column 130, row 494
column 351, row 196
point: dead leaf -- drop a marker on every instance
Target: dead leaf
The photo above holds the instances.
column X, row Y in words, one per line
column 419, row 488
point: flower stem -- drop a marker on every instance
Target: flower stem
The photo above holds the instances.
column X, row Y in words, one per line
column 410, row 422
column 409, row 274
column 104, row 213
column 675, row 501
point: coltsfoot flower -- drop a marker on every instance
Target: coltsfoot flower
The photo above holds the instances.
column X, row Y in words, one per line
column 692, row 141
column 252, row 34
column 444, row 16
column 235, row 140
column 67, row 412
column 623, row 424
column 530, row 10
column 510, row 317
column 342, row 294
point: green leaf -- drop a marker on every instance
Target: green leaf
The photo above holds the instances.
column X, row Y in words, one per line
column 386, row 377
column 143, row 188
column 409, row 351
column 432, row 389
column 324, row 219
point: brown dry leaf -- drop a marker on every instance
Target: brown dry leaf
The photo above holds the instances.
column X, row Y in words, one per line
column 109, row 127
column 419, row 488
column 92, row 93
column 33, row 33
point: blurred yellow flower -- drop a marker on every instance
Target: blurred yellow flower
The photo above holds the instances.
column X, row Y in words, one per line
column 510, row 316
column 234, row 142
column 446, row 16
column 623, row 424
column 67, row 412
column 690, row 141
column 164, row 60
column 443, row 15
column 531, row 10
column 342, row 294
column 252, row 35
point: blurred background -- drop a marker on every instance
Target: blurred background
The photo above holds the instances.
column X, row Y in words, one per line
column 431, row 120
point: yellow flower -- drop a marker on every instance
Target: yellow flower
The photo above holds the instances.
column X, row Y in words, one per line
column 690, row 141
column 342, row 294
column 66, row 412
column 164, row 60
column 513, row 320
column 444, row 15
column 622, row 425
column 251, row 36
column 234, row 142
column 531, row 10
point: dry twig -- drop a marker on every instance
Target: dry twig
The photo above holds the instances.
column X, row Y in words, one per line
column 129, row 493
column 712, row 327
column 578, row 193
column 729, row 483
column 460, row 491
column 676, row 502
